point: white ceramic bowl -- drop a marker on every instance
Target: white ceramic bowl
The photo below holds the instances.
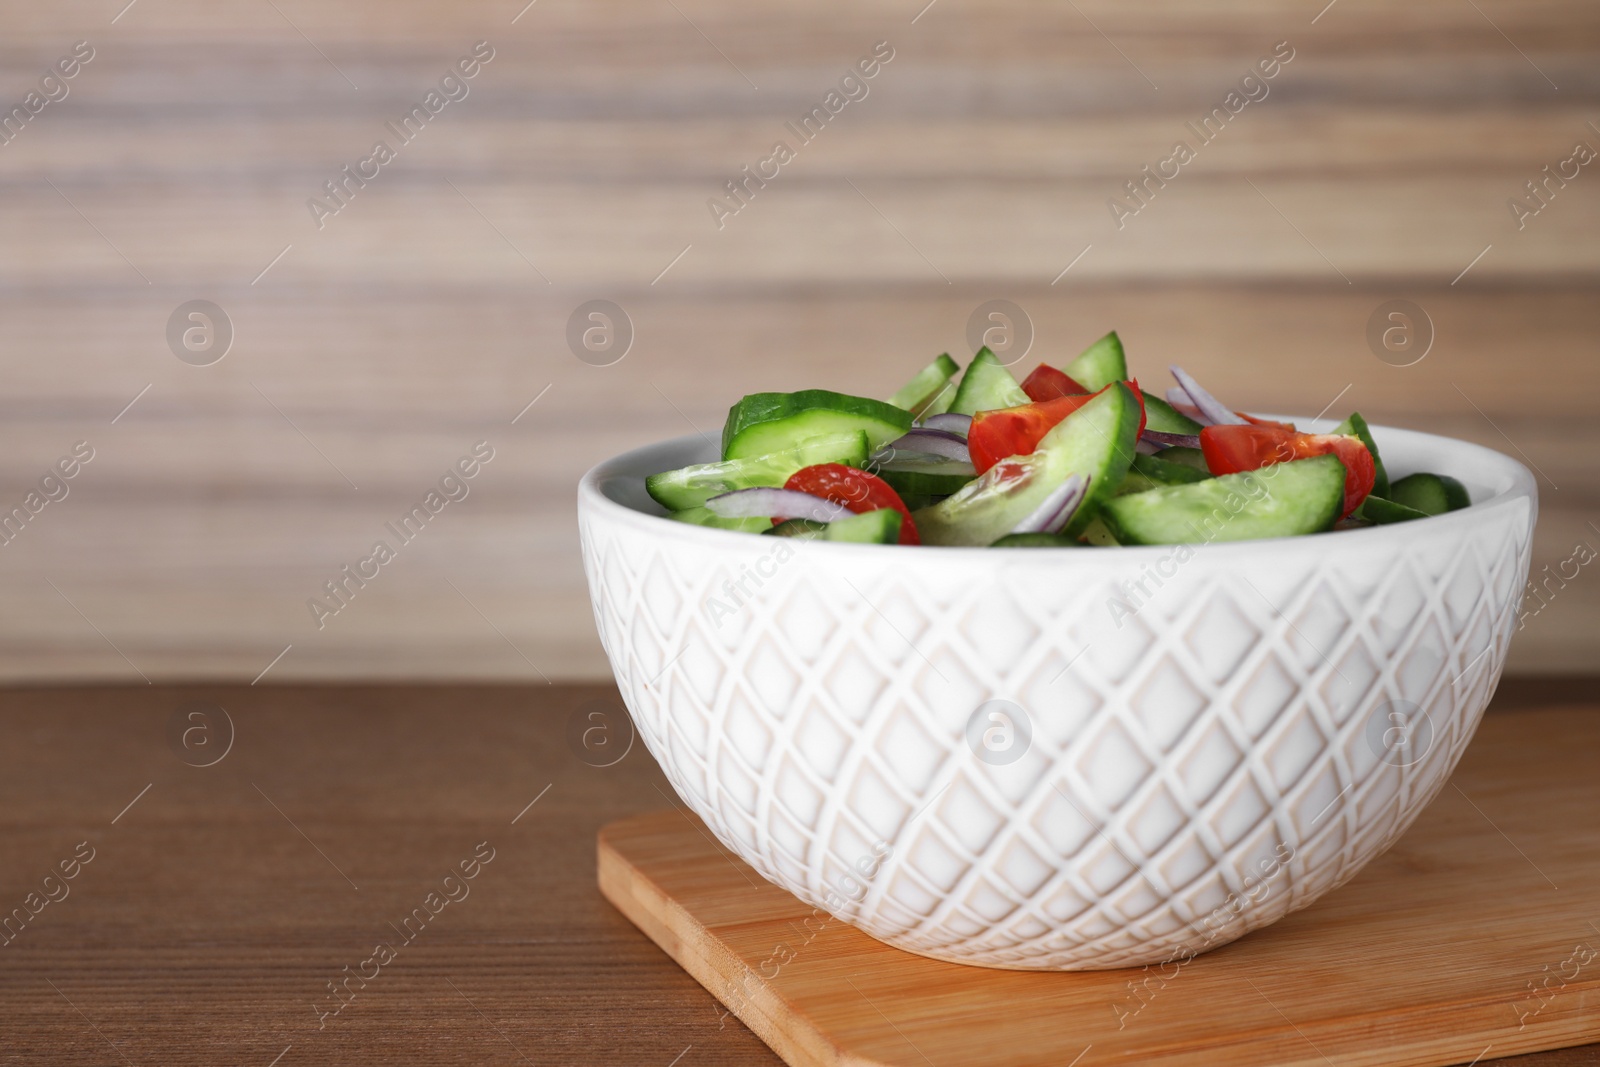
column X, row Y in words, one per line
column 1060, row 758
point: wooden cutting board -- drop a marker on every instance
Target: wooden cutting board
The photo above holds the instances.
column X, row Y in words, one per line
column 1476, row 937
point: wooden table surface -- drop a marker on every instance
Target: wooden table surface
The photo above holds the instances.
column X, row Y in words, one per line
column 220, row 901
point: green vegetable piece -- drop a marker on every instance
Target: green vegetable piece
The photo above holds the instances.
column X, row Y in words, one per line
column 1098, row 534
column 1036, row 540
column 764, row 423
column 1356, row 426
column 1282, row 500
column 1149, row 472
column 1167, row 472
column 1101, row 364
column 1164, row 418
column 1189, row 457
column 1431, row 494
column 805, row 529
column 881, row 527
column 987, row 386
column 1378, row 511
column 929, row 383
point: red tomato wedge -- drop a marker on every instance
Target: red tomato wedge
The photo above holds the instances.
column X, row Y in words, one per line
column 1230, row 449
column 1252, row 420
column 855, row 489
column 1017, row 431
column 1047, row 383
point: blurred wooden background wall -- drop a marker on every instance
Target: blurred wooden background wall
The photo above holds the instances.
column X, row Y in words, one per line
column 428, row 312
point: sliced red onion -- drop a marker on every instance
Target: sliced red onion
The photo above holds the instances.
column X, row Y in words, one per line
column 1057, row 510
column 1170, row 440
column 1213, row 410
column 1180, row 403
column 957, row 424
column 920, row 462
column 772, row 503
column 1146, row 448
column 934, row 441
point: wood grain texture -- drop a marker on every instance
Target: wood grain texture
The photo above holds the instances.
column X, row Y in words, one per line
column 1414, row 963
column 206, row 926
column 373, row 350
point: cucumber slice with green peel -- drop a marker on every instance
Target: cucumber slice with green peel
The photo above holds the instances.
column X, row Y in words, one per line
column 1166, row 472
column 1036, row 540
column 802, row 528
column 1282, row 500
column 929, row 382
column 1148, row 472
column 1431, row 494
column 763, row 423
column 1356, row 426
column 941, row 401
column 987, row 386
column 690, row 487
column 705, row 517
column 1189, row 457
column 1096, row 441
column 881, row 527
column 1378, row 511
column 1101, row 364
column 1164, row 418
column 1098, row 534
column 934, row 479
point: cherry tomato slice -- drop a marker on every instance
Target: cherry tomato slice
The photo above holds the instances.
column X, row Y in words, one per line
column 1047, row 383
column 1230, row 449
column 1017, row 431
column 855, row 489
column 1252, row 420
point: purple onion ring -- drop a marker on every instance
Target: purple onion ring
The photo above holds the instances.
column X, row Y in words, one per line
column 1171, row 440
column 957, row 424
column 1057, row 509
column 773, row 503
column 1212, row 408
column 933, row 441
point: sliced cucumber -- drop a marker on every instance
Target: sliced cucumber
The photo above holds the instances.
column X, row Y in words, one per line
column 1036, row 540
column 930, row 381
column 934, row 479
column 1164, row 418
column 1148, row 472
column 1378, row 511
column 1096, row 441
column 881, row 527
column 705, row 517
column 941, row 400
column 1101, row 364
column 987, row 386
column 802, row 528
column 1097, row 534
column 1356, row 426
column 1166, row 472
column 690, row 487
column 1283, row 500
column 1189, row 457
column 763, row 423
column 1431, row 494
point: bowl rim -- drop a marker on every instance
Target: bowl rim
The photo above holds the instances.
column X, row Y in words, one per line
column 1520, row 485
